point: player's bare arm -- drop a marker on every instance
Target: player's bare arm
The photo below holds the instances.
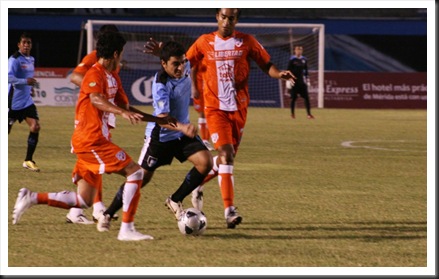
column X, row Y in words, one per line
column 76, row 78
column 274, row 72
column 103, row 104
column 187, row 129
column 165, row 120
column 194, row 88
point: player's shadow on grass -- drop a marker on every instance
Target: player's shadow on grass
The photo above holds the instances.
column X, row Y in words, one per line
column 366, row 231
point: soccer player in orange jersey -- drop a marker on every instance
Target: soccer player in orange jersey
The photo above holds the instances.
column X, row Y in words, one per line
column 226, row 53
column 76, row 215
column 96, row 154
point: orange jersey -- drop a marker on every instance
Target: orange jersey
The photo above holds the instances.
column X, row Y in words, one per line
column 91, row 124
column 87, row 62
column 228, row 67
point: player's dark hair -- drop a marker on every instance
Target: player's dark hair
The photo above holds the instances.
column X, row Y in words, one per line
column 106, row 28
column 238, row 15
column 171, row 48
column 24, row 35
column 108, row 43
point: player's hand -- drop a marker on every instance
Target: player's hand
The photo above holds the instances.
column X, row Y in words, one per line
column 287, row 75
column 133, row 117
column 32, row 92
column 188, row 129
column 152, row 47
column 168, row 120
column 31, row 81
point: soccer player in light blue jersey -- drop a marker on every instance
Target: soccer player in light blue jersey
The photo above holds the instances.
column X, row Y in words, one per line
column 171, row 91
column 21, row 66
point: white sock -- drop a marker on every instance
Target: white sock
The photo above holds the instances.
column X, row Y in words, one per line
column 126, row 226
column 98, row 206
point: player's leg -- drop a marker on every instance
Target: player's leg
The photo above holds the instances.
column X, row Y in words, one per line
column 293, row 103
column 195, row 152
column 65, row 199
column 305, row 97
column 227, row 129
column 117, row 202
column 32, row 121
column 130, row 200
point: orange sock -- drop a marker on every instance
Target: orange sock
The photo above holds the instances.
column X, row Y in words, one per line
column 226, row 183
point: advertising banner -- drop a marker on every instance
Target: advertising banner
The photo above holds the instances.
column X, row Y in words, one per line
column 54, row 87
column 375, row 90
column 342, row 89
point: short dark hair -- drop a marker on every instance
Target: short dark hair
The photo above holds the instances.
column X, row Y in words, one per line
column 239, row 12
column 106, row 28
column 24, row 35
column 171, row 48
column 108, row 43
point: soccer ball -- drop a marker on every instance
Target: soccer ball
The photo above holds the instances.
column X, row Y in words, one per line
column 192, row 222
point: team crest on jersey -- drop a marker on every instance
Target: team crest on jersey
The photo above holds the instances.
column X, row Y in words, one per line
column 238, row 42
column 151, row 161
column 121, row 156
column 92, row 84
column 214, row 137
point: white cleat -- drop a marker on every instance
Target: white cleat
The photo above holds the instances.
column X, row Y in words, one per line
column 175, row 207
column 96, row 215
column 132, row 235
column 197, row 198
column 78, row 219
column 103, row 224
column 232, row 217
column 22, row 203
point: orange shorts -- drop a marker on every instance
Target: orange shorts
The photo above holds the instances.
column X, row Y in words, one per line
column 226, row 127
column 107, row 158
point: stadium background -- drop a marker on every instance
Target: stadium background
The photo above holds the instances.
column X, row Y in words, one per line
column 378, row 45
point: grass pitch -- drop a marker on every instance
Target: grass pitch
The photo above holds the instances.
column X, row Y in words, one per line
column 348, row 189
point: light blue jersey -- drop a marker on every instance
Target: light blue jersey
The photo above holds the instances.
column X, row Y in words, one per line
column 20, row 68
column 171, row 96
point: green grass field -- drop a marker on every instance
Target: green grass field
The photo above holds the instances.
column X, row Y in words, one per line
column 348, row 189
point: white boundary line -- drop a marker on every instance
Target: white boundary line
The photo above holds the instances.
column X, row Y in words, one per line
column 350, row 144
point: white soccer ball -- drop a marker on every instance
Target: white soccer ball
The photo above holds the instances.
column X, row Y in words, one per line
column 192, row 222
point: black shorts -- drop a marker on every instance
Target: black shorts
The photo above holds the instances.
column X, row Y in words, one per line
column 155, row 153
column 20, row 115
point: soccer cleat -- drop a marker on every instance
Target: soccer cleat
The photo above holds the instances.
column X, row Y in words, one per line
column 132, row 235
column 103, row 224
column 232, row 217
column 175, row 207
column 22, row 203
column 197, row 198
column 208, row 145
column 30, row 165
column 78, row 219
column 97, row 214
column 310, row 116
column 293, row 116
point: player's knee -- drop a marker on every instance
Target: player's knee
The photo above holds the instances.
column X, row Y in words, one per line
column 137, row 175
